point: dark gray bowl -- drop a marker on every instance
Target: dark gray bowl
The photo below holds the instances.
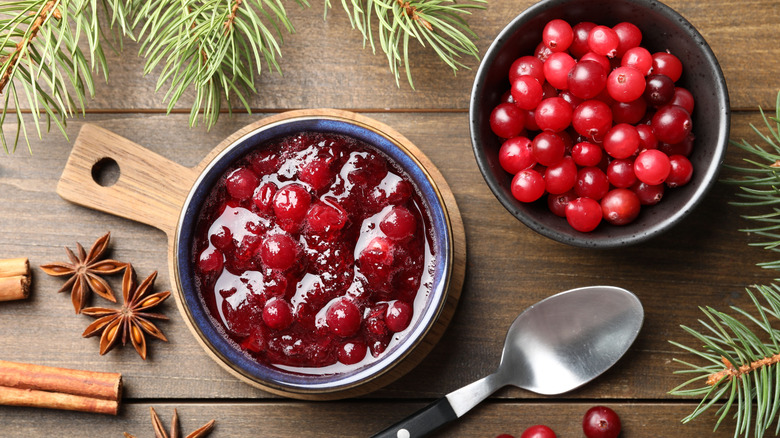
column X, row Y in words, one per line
column 662, row 29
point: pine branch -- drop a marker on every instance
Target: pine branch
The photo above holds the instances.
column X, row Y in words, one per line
column 437, row 23
column 742, row 367
column 41, row 61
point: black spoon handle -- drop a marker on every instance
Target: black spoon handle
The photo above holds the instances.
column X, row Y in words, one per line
column 422, row 422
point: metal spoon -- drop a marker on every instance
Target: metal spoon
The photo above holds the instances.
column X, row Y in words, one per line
column 554, row 346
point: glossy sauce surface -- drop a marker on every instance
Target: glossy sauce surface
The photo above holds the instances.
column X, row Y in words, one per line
column 313, row 253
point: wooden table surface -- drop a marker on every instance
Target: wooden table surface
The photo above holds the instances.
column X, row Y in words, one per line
column 705, row 260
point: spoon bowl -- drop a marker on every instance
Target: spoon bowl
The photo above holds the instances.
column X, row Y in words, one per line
column 554, row 346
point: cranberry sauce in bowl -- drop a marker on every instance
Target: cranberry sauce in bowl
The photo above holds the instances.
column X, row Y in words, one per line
column 310, row 257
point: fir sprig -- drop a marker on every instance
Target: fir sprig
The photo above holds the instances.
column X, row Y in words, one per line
column 742, row 367
column 759, row 183
column 42, row 64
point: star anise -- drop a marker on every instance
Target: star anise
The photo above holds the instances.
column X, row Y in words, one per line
column 132, row 319
column 85, row 271
column 159, row 431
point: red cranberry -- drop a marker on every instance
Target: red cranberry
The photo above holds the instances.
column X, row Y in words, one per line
column 620, row 173
column 553, row 114
column 638, row 58
column 620, row 206
column 528, row 185
column 579, row 44
column 556, row 69
column 681, row 171
column 591, row 183
column 516, row 154
column 659, row 90
column 629, row 36
column 601, row 59
column 352, row 352
column 683, row 98
column 317, row 174
column 291, row 202
column 592, row 119
column 629, row 112
column 398, row 224
column 625, row 84
column 652, row 167
column 507, row 120
column 665, row 63
column 671, row 124
column 603, row 41
column 241, row 183
column 398, row 317
column 527, row 65
column 538, row 431
column 587, row 79
column 263, row 198
column 648, row 195
column 277, row 314
column 527, row 92
column 561, row 177
column 601, row 422
column 557, row 203
column 583, row 214
column 210, row 260
column 343, row 318
column 548, row 148
column 399, row 193
column 279, row 251
column 586, row 154
column 325, row 218
column 557, row 35
column 622, row 141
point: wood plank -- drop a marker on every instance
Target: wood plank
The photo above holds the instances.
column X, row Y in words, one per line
column 335, row 419
column 704, row 261
column 324, row 63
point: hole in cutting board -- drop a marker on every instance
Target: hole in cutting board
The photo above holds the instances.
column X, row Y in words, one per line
column 106, row 172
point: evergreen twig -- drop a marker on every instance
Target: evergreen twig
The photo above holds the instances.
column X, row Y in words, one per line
column 41, row 61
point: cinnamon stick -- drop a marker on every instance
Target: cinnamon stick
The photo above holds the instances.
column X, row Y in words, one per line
column 14, row 288
column 56, row 400
column 60, row 388
column 14, row 267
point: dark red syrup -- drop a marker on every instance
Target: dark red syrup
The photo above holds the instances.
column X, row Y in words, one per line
column 313, row 253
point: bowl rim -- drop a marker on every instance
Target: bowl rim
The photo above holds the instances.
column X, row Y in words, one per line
column 582, row 239
column 438, row 296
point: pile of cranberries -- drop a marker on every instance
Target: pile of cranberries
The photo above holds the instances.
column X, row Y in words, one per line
column 310, row 251
column 594, row 121
column 598, row 422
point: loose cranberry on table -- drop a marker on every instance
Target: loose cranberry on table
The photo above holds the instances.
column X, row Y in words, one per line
column 538, row 431
column 593, row 106
column 601, row 422
column 310, row 251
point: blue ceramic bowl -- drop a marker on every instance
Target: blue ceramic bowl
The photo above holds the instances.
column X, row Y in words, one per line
column 662, row 29
column 338, row 384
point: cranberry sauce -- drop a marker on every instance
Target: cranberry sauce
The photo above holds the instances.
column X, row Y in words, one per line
column 313, row 251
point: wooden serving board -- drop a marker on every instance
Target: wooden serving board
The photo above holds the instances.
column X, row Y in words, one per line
column 152, row 190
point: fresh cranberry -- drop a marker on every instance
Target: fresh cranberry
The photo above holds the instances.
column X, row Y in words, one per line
column 629, row 112
column 682, row 97
column 587, row 79
column 561, row 177
column 548, row 148
column 528, row 185
column 527, row 65
column 665, row 63
column 659, row 90
column 291, row 202
column 629, row 36
column 277, row 314
column 241, row 183
column 542, row 52
column 647, row 139
column 398, row 224
column 652, row 167
column 516, row 154
column 279, row 251
column 398, row 317
column 527, row 92
column 579, row 44
column 591, row 183
column 683, row 148
column 648, row 194
column 592, row 119
column 586, row 154
column 600, row 59
column 343, row 318
column 671, row 124
column 638, row 58
column 620, row 173
column 557, row 203
column 583, row 214
column 557, row 35
column 507, row 120
column 681, row 171
column 620, row 206
column 553, row 114
column 352, row 352
column 601, row 422
column 622, row 141
column 538, row 431
column 603, row 41
column 625, row 84
column 556, row 69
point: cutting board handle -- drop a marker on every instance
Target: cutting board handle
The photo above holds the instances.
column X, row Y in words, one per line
column 150, row 189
